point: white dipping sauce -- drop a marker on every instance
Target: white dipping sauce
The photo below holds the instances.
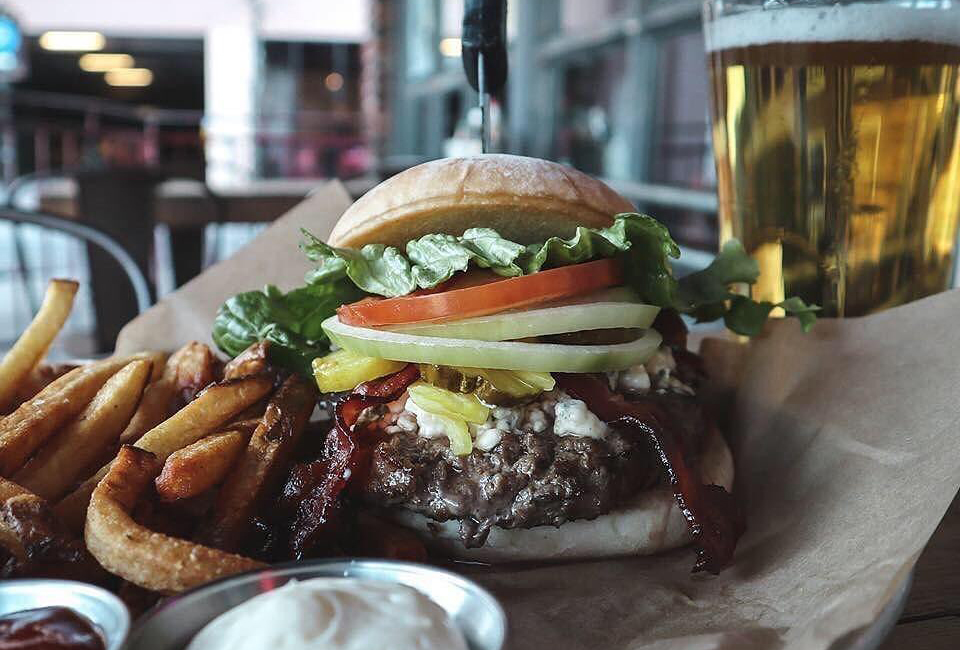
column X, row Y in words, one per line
column 333, row 614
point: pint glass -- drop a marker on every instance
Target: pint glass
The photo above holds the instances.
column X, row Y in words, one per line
column 836, row 144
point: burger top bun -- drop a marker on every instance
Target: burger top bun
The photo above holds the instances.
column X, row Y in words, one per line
column 524, row 199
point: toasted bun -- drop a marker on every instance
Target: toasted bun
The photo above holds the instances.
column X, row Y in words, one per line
column 650, row 524
column 524, row 199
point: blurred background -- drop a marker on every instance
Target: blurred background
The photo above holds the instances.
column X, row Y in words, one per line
column 178, row 129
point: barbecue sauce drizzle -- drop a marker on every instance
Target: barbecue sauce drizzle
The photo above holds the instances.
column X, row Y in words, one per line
column 714, row 517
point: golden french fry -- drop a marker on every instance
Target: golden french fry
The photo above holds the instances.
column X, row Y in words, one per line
column 258, row 470
column 36, row 339
column 252, row 361
column 59, row 463
column 186, row 370
column 149, row 559
column 194, row 367
column 198, row 467
column 160, row 398
column 72, row 509
column 212, row 408
column 39, row 378
column 153, row 409
column 23, row 431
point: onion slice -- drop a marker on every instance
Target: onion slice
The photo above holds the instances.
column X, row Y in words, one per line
column 508, row 355
column 506, row 326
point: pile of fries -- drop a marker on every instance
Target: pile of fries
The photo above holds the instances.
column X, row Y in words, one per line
column 144, row 467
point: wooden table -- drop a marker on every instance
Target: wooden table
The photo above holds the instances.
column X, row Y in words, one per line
column 931, row 619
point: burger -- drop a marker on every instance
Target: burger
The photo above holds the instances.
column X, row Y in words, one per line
column 500, row 341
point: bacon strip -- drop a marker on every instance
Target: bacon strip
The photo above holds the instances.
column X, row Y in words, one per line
column 714, row 517
column 313, row 489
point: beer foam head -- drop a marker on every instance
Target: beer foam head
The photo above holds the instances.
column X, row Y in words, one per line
column 869, row 22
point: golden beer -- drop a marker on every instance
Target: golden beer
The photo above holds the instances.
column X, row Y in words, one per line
column 836, row 139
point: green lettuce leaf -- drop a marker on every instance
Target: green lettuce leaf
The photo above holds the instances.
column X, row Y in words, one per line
column 707, row 294
column 375, row 268
column 437, row 257
column 643, row 242
column 289, row 321
column 433, row 259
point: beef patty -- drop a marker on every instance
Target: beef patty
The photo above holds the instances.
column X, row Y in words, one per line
column 529, row 479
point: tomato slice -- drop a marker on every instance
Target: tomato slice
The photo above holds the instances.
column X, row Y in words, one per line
column 483, row 299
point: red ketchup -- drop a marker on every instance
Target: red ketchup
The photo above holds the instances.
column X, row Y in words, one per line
column 48, row 628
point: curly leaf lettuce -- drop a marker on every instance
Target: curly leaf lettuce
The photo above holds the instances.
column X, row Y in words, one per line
column 430, row 260
column 291, row 321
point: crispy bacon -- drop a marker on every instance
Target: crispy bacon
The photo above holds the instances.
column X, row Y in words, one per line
column 671, row 327
column 313, row 489
column 712, row 514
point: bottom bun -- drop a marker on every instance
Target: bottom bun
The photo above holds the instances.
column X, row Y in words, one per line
column 649, row 524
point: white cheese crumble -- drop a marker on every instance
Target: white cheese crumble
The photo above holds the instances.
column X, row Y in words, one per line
column 634, row 379
column 429, row 424
column 573, row 418
column 487, row 439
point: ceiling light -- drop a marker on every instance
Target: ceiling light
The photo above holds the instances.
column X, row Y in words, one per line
column 72, row 41
column 129, row 77
column 333, row 81
column 450, row 47
column 98, row 62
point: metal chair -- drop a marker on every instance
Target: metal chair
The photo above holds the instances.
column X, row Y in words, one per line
column 91, row 236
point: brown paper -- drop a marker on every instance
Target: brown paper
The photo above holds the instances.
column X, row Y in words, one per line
column 847, row 458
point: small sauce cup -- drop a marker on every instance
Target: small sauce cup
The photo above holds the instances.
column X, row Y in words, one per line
column 173, row 623
column 104, row 610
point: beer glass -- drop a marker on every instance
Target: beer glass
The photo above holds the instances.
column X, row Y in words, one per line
column 836, row 144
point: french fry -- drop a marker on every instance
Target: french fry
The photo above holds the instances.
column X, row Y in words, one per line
column 158, row 399
column 72, row 509
column 36, row 339
column 36, row 543
column 16, row 554
column 258, row 470
column 149, row 559
column 59, row 463
column 194, row 366
column 185, row 372
column 39, row 378
column 153, row 409
column 252, row 361
column 212, row 407
column 10, row 489
column 198, row 467
column 204, row 415
column 23, row 431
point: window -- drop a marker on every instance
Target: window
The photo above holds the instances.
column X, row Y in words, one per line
column 420, row 37
column 616, row 88
column 586, row 132
column 579, row 16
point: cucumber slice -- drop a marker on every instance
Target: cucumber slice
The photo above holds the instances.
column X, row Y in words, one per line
column 509, row 355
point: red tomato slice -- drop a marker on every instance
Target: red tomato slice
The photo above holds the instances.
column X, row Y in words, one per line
column 489, row 298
